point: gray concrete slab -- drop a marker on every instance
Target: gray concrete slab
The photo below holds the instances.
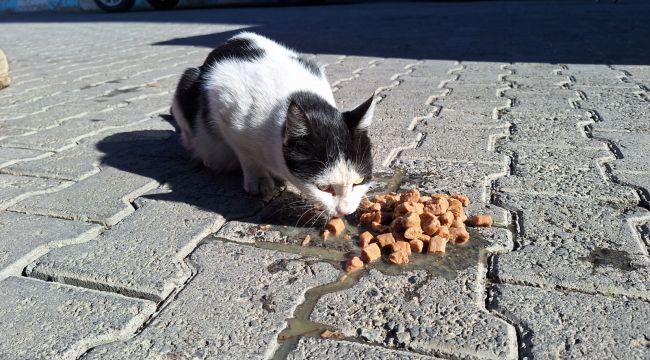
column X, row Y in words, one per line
column 54, row 321
column 234, row 307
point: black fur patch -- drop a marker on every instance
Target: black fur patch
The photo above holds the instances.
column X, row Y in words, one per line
column 329, row 138
column 188, row 93
column 309, row 65
column 234, row 49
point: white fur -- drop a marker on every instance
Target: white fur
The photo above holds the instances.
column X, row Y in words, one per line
column 247, row 102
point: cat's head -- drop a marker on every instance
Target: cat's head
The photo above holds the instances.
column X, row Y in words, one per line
column 328, row 151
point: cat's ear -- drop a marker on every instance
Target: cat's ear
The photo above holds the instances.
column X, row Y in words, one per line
column 295, row 125
column 361, row 117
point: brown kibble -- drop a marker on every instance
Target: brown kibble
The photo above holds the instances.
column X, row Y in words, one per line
column 430, row 227
column 400, row 246
column 424, row 238
column 446, row 218
column 365, row 204
column 396, row 225
column 481, row 220
column 424, row 199
column 378, row 227
column 380, row 199
column 453, row 202
column 427, row 216
column 370, row 253
column 412, row 195
column 443, row 232
column 354, row 264
column 410, row 219
column 306, row 240
column 376, row 207
column 332, row 334
column 439, row 196
column 365, row 238
column 437, row 244
column 458, row 235
column 416, row 245
column 335, row 226
column 265, row 227
column 347, row 237
column 326, row 234
column 398, row 257
column 385, row 239
column 399, row 236
column 407, row 207
column 457, row 223
column 376, row 216
column 437, row 206
column 413, row 233
column 462, row 198
column 365, row 218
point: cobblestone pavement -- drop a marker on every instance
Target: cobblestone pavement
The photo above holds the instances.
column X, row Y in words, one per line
column 113, row 245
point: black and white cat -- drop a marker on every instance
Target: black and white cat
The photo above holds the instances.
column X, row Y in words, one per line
column 257, row 105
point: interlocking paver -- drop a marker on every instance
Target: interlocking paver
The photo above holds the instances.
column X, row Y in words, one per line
column 428, row 314
column 15, row 188
column 310, row 347
column 574, row 325
column 234, row 308
column 26, row 237
column 54, row 321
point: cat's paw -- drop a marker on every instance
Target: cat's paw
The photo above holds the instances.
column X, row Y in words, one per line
column 263, row 186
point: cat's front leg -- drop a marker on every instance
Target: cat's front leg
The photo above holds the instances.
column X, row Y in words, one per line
column 257, row 180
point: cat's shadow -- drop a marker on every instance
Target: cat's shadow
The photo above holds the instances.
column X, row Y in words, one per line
column 158, row 154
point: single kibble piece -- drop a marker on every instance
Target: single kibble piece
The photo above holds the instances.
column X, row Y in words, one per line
column 446, row 218
column 365, row 204
column 411, row 195
column 401, row 246
column 410, row 219
column 365, row 218
column 376, row 207
column 365, row 238
column 457, row 223
column 457, row 210
column 396, row 225
column 326, row 234
column 416, row 245
column 335, row 226
column 306, row 240
column 370, row 253
column 437, row 206
column 354, row 264
column 458, row 235
column 378, row 227
column 462, row 198
column 385, row 239
column 439, row 196
column 481, row 220
column 453, row 202
column 398, row 257
column 437, row 244
column 424, row 199
column 443, row 232
column 431, row 226
column 413, row 233
column 424, row 238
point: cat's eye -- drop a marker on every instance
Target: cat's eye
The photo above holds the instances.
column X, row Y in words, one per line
column 359, row 180
column 326, row 188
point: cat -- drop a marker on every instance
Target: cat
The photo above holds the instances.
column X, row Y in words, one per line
column 259, row 106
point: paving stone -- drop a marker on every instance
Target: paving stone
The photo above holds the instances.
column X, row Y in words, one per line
column 142, row 256
column 449, row 317
column 538, row 99
column 15, row 188
column 553, row 132
column 26, row 237
column 636, row 179
column 144, row 140
column 83, row 201
column 634, row 147
column 233, row 308
column 588, row 245
column 541, row 70
column 563, row 172
column 54, row 321
column 624, row 110
column 530, row 82
column 442, row 142
column 336, row 72
column 10, row 156
column 310, row 348
column 573, row 325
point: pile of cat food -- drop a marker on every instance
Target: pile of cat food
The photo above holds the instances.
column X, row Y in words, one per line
column 403, row 223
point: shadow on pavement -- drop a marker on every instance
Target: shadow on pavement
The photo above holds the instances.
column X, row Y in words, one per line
column 527, row 31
